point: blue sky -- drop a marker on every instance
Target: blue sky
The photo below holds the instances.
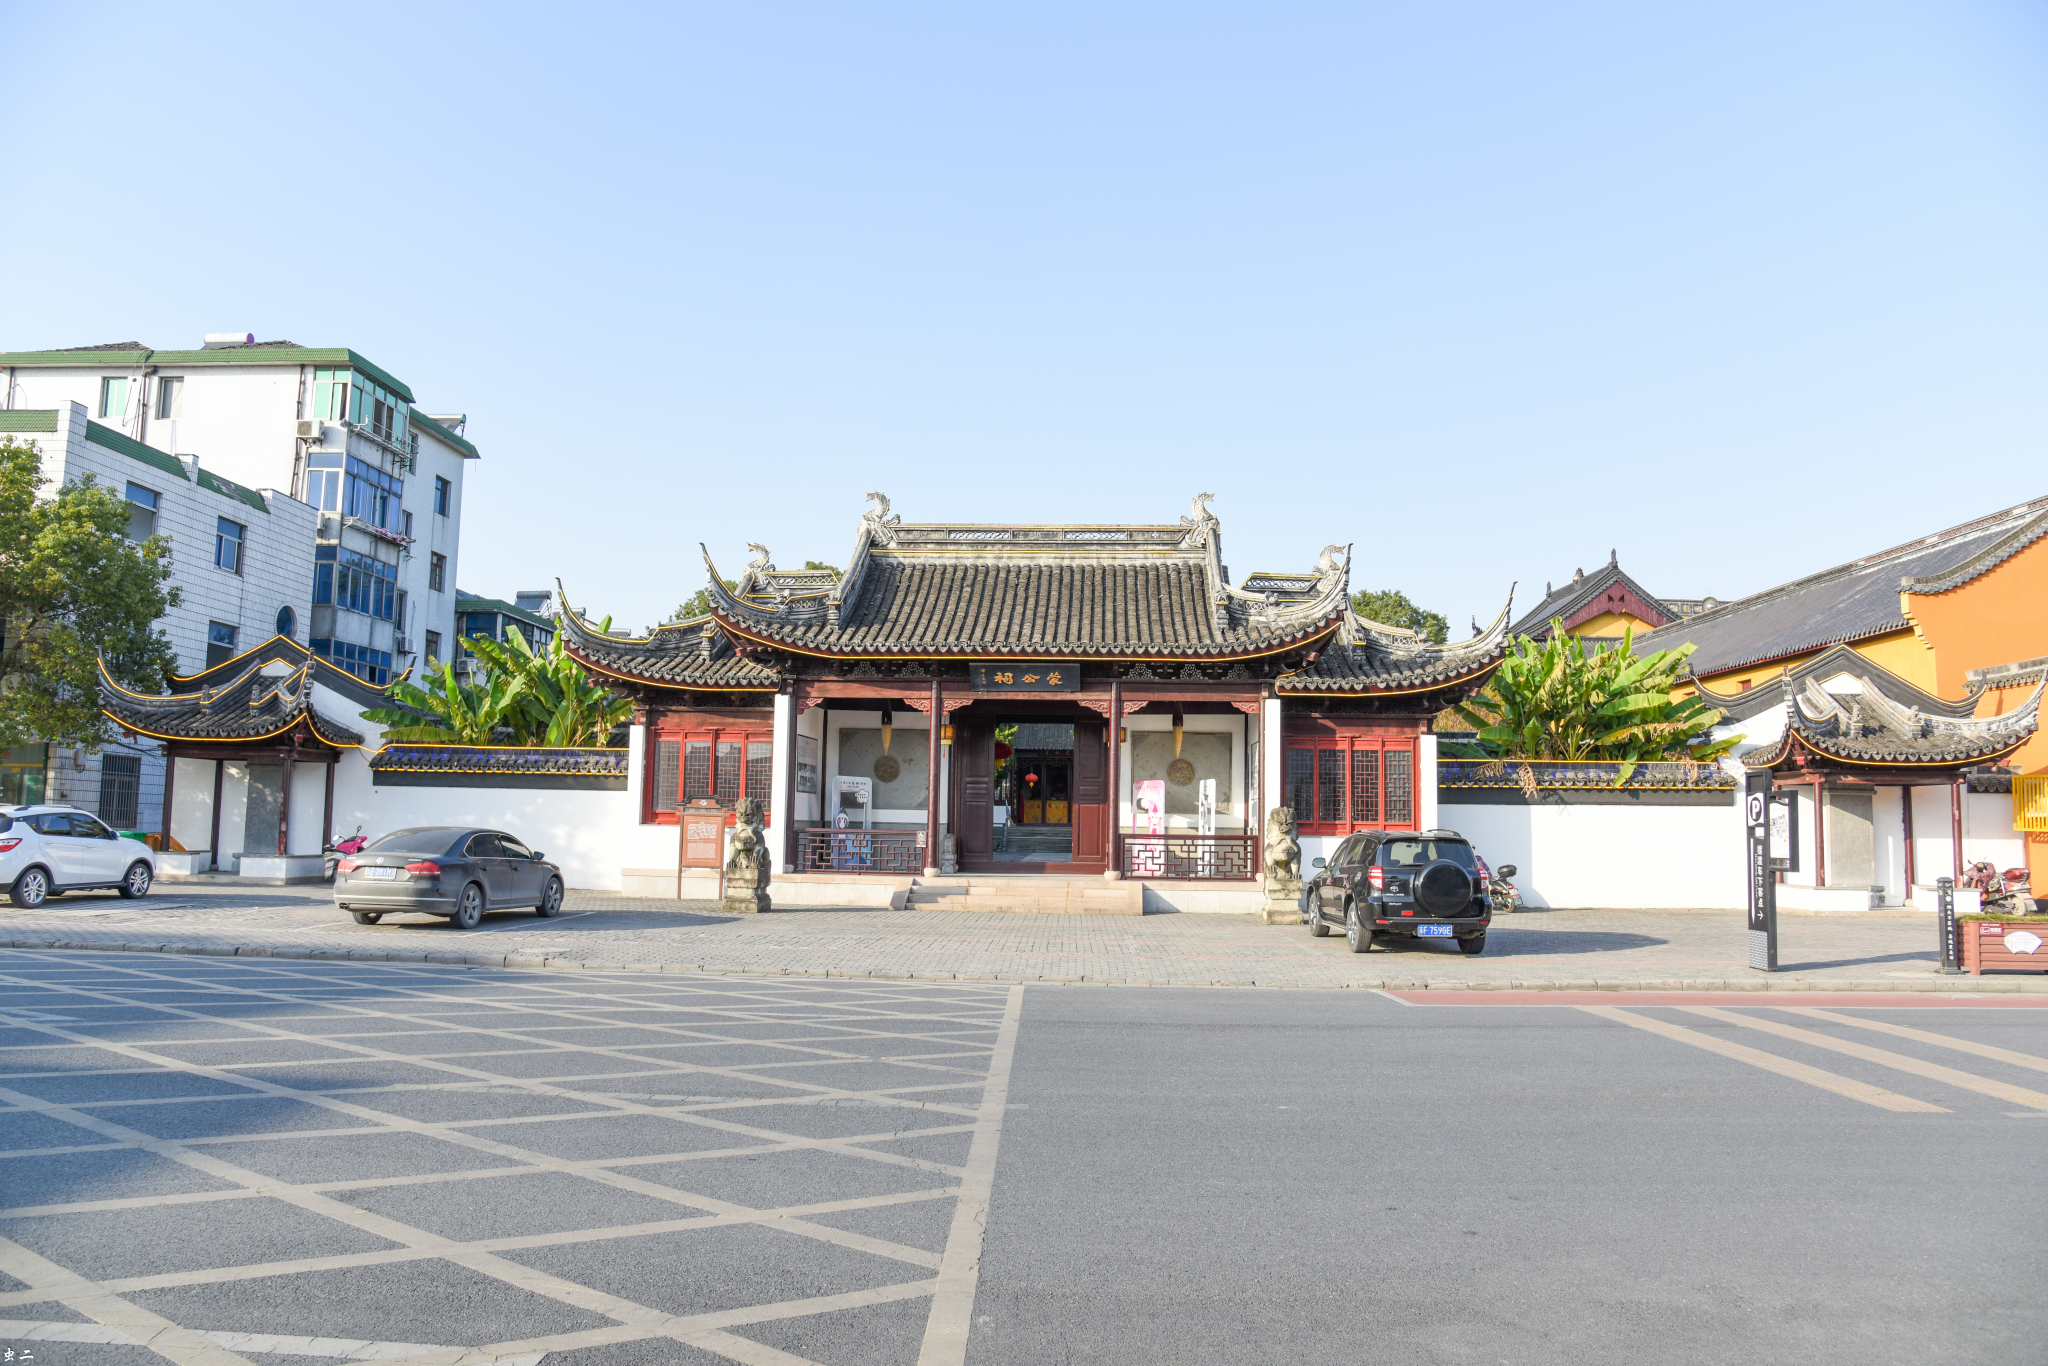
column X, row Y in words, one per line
column 1741, row 290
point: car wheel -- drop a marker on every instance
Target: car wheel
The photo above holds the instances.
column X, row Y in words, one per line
column 550, row 900
column 1475, row 945
column 366, row 917
column 1313, row 914
column 31, row 889
column 1357, row 934
column 136, row 884
column 469, row 913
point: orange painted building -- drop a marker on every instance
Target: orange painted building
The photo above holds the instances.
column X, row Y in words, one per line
column 1958, row 614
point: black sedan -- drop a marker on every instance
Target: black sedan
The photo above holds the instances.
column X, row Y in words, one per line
column 452, row 871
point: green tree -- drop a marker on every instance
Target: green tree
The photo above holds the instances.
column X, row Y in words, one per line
column 542, row 699
column 1559, row 700
column 832, row 569
column 73, row 590
column 1390, row 607
column 698, row 604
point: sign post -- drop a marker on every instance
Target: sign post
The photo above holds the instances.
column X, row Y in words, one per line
column 1945, row 924
column 1763, row 882
column 700, row 841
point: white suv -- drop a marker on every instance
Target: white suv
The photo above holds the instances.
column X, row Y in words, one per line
column 46, row 851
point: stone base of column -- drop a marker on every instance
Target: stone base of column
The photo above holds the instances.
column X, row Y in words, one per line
column 742, row 894
column 1283, row 902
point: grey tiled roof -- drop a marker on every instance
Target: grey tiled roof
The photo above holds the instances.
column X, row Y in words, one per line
column 1871, row 729
column 238, row 701
column 1586, row 591
column 418, row 758
column 1854, row 601
column 1368, row 657
column 1836, row 659
column 678, row 655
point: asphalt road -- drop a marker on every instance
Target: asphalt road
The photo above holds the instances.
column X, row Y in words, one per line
column 215, row 1161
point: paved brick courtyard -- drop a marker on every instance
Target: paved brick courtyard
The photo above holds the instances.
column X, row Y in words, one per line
column 1532, row 949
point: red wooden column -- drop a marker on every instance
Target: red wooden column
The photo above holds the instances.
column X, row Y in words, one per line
column 937, row 717
column 1116, row 790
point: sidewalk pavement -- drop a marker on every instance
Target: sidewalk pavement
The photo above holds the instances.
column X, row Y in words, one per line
column 1574, row 950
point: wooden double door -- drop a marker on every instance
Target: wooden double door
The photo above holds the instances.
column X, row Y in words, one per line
column 974, row 807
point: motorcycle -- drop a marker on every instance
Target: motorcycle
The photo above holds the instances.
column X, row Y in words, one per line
column 2010, row 892
column 333, row 852
column 1505, row 896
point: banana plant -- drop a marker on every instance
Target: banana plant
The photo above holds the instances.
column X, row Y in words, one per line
column 556, row 706
column 447, row 710
column 1559, row 700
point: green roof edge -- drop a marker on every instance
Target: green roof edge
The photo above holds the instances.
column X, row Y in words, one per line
column 467, row 604
column 209, row 480
column 28, row 420
column 434, row 429
column 109, row 439
column 225, row 355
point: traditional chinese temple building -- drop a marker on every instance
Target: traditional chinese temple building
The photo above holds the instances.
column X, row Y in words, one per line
column 872, row 701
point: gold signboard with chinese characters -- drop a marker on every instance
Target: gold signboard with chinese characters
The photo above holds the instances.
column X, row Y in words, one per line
column 1026, row 677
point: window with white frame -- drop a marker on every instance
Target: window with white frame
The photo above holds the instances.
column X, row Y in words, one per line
column 142, row 509
column 227, row 544
column 167, row 392
column 220, row 643
column 114, row 396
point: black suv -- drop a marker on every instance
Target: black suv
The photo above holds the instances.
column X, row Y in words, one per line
column 1378, row 884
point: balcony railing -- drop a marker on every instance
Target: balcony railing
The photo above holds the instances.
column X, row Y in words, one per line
column 405, row 451
column 892, row 853
column 1193, row 858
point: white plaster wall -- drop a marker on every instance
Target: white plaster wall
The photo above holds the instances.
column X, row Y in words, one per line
column 1425, row 782
column 1933, row 839
column 911, row 727
column 1890, row 843
column 1988, row 832
column 779, row 786
column 240, row 420
column 1611, row 856
column 590, row 835
column 434, row 534
column 192, row 804
column 1231, row 818
column 309, row 789
column 234, row 812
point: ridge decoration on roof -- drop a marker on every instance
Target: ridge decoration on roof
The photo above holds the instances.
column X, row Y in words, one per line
column 244, row 701
column 1369, row 657
column 1102, row 592
column 1824, row 668
column 690, row 654
column 1607, row 589
column 1869, row 729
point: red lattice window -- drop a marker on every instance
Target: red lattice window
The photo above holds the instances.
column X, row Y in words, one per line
column 721, row 764
column 1339, row 784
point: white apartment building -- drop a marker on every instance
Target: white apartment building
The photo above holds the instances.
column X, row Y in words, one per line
column 323, row 428
column 239, row 558
column 335, row 430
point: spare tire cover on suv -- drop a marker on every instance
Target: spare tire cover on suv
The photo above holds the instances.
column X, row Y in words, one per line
column 1443, row 887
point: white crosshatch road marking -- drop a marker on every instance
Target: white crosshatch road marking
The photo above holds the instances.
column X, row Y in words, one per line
column 928, row 1062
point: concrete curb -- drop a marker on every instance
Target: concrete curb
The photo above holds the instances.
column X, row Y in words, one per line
column 2001, row 986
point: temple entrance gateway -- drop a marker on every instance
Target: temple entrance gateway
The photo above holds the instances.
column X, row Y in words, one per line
column 1046, row 807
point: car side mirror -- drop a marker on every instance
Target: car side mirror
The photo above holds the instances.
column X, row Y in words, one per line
column 538, row 856
column 1506, row 870
column 1319, row 863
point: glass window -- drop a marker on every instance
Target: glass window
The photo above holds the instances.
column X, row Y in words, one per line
column 1365, row 786
column 433, row 647
column 696, row 769
column 114, row 396
column 1300, row 783
column 760, row 770
column 372, row 666
column 437, row 573
column 142, row 509
column 730, row 779
column 668, row 757
column 167, row 391
column 287, row 622
column 21, row 774
column 1400, row 787
column 220, row 643
column 442, row 488
column 357, row 582
column 513, row 848
column 484, row 846
column 1411, row 853
column 408, row 526
column 120, row 789
column 1330, row 785
column 416, row 839
column 227, row 544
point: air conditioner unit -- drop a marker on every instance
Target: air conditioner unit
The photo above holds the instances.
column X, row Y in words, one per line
column 403, row 645
column 313, row 430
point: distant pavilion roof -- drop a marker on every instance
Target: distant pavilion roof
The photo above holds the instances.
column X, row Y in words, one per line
column 1587, row 596
column 1868, row 729
column 262, row 694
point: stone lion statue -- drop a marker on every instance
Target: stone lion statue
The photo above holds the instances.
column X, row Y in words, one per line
column 745, row 855
column 1283, row 851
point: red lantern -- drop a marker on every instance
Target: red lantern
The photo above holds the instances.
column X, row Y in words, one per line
column 1003, row 751
column 1031, row 777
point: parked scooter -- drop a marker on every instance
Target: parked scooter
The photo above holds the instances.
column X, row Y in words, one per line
column 1505, row 896
column 333, row 852
column 2010, row 892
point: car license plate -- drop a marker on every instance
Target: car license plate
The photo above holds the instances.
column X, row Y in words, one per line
column 1434, row 931
column 381, row 874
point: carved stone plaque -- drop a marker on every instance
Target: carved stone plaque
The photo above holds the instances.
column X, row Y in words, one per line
column 1180, row 773
column 888, row 769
